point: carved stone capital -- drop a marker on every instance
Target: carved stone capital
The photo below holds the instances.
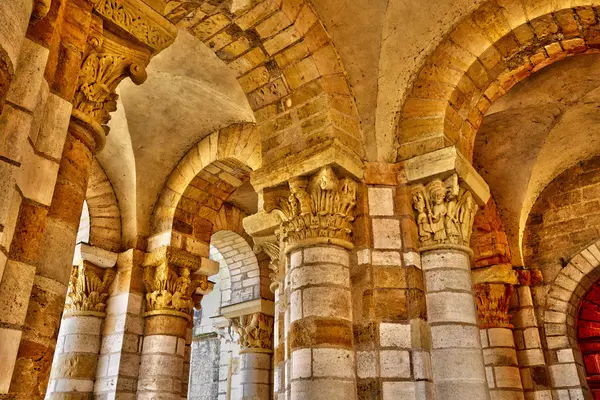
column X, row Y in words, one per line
column 175, row 282
column 106, row 63
column 319, row 209
column 271, row 247
column 88, row 289
column 444, row 212
column 255, row 331
column 492, row 300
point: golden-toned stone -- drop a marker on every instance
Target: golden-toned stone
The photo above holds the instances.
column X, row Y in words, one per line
column 255, row 331
column 88, row 288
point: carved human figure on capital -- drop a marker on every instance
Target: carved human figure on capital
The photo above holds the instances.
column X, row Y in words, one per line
column 444, row 212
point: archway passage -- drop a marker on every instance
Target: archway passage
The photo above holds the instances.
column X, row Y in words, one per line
column 588, row 337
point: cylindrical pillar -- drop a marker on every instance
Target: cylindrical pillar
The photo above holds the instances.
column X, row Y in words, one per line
column 279, row 346
column 321, row 337
column 163, row 351
column 456, row 355
column 501, row 365
column 172, row 277
column 49, row 290
column 256, row 342
column 79, row 339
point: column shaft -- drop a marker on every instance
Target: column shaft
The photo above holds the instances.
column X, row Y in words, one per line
column 457, row 359
column 49, row 290
column 163, row 352
column 279, row 346
column 320, row 335
column 75, row 359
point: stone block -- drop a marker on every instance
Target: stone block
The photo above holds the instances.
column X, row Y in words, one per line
column 160, row 344
column 328, row 255
column 15, row 125
column 399, row 390
column 451, row 307
column 379, row 257
column 422, row 368
column 501, row 337
column 394, row 364
column 395, row 335
column 82, row 343
column 507, row 377
column 332, row 363
column 15, row 291
column 25, row 88
column 564, row 375
column 381, row 201
column 366, row 364
column 326, row 302
column 442, row 280
column 10, row 339
column 386, row 233
column 323, row 389
column 455, row 336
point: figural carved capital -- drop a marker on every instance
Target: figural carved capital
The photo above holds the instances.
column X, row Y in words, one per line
column 255, row 331
column 444, row 212
column 175, row 282
column 319, row 209
column 88, row 289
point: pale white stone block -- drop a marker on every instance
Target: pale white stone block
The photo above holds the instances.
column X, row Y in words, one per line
column 379, row 257
column 363, row 256
column 295, row 305
column 333, row 363
column 484, row 339
column 160, row 344
column 451, row 307
column 444, row 280
column 422, row 365
column 386, row 233
column 445, row 259
column 394, row 363
column 82, row 343
column 24, row 90
column 381, row 201
column 81, row 324
column 394, row 335
column 326, row 254
column 366, row 364
column 399, row 390
column 301, row 363
column 564, row 375
column 412, row 258
column 455, row 336
column 74, row 385
column 489, row 376
column 565, row 356
column 458, row 365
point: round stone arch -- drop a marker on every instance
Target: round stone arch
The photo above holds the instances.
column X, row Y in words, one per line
column 488, row 52
column 286, row 64
column 203, row 177
column 104, row 212
column 559, row 315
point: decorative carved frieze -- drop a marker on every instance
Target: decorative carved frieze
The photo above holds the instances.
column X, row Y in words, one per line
column 319, row 207
column 444, row 212
column 492, row 300
column 255, row 331
column 88, row 288
column 172, row 281
column 138, row 19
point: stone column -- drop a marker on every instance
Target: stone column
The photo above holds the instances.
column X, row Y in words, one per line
column 445, row 213
column 175, row 283
column 253, row 322
column 316, row 231
column 493, row 288
column 78, row 345
column 271, row 245
column 110, row 54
